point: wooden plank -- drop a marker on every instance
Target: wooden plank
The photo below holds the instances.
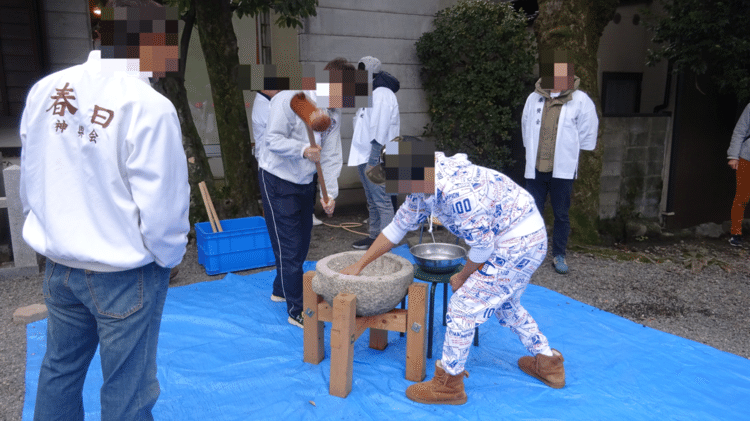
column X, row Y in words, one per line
column 378, row 339
column 394, row 320
column 325, row 312
column 342, row 344
column 314, row 331
column 415, row 341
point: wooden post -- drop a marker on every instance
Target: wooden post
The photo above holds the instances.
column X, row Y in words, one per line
column 342, row 344
column 416, row 329
column 378, row 339
column 314, row 331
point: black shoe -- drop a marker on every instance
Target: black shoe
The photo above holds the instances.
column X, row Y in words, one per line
column 736, row 240
column 363, row 244
column 296, row 321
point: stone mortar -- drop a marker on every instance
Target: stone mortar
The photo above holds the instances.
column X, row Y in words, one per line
column 379, row 287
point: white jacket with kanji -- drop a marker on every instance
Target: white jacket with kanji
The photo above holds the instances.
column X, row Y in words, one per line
column 104, row 182
column 478, row 204
column 576, row 129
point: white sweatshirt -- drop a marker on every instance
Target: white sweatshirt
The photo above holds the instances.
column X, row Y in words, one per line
column 104, row 182
column 381, row 123
column 286, row 138
column 261, row 109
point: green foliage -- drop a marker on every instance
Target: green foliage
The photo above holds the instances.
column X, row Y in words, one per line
column 290, row 11
column 476, row 66
column 706, row 37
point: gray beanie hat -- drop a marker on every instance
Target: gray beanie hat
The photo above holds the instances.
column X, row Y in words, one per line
column 371, row 63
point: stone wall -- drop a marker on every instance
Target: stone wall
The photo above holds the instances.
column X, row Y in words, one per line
column 633, row 162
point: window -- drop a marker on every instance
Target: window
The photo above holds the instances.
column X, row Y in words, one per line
column 263, row 25
column 621, row 93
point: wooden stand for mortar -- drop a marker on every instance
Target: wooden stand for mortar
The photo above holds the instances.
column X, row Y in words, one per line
column 347, row 327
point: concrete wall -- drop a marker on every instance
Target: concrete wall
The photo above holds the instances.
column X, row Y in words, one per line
column 68, row 31
column 387, row 30
column 633, row 164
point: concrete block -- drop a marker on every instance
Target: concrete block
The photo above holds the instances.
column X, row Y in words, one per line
column 607, row 212
column 610, row 184
column 636, row 154
column 654, row 168
column 616, row 139
column 638, row 139
column 611, row 168
column 633, row 169
column 23, row 255
column 638, row 125
column 656, row 152
column 30, row 314
column 654, row 184
column 613, row 125
column 613, row 153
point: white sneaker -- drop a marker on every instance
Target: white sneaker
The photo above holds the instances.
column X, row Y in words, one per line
column 296, row 321
column 316, row 221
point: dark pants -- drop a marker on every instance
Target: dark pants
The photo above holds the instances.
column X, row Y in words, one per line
column 288, row 209
column 559, row 191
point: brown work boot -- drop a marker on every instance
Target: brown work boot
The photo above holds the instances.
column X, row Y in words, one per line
column 550, row 370
column 443, row 389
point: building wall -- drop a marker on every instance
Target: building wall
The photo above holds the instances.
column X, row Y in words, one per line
column 68, row 30
column 633, row 165
column 387, row 30
column 623, row 48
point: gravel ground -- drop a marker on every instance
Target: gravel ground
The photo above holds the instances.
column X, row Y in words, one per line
column 697, row 289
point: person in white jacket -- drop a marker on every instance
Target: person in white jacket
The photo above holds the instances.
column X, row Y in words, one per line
column 104, row 187
column 261, row 109
column 374, row 127
column 501, row 224
column 558, row 122
column 287, row 186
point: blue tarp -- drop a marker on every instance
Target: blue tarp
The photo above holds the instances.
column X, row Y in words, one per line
column 226, row 352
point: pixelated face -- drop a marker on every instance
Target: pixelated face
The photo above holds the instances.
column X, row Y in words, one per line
column 344, row 88
column 333, row 88
column 556, row 70
column 410, row 167
column 145, row 37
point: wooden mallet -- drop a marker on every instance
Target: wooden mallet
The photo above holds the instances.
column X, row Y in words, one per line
column 315, row 119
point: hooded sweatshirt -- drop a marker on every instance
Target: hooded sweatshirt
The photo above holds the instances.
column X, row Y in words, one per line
column 385, row 80
column 379, row 122
column 739, row 147
column 478, row 204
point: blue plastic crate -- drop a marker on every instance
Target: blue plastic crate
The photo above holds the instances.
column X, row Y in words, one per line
column 243, row 245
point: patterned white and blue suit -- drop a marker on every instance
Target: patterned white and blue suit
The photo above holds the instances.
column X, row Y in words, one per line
column 500, row 222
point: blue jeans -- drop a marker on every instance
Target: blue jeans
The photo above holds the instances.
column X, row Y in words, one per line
column 120, row 312
column 559, row 190
column 288, row 209
column 379, row 202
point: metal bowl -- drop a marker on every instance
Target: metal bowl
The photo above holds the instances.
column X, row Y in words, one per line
column 438, row 257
